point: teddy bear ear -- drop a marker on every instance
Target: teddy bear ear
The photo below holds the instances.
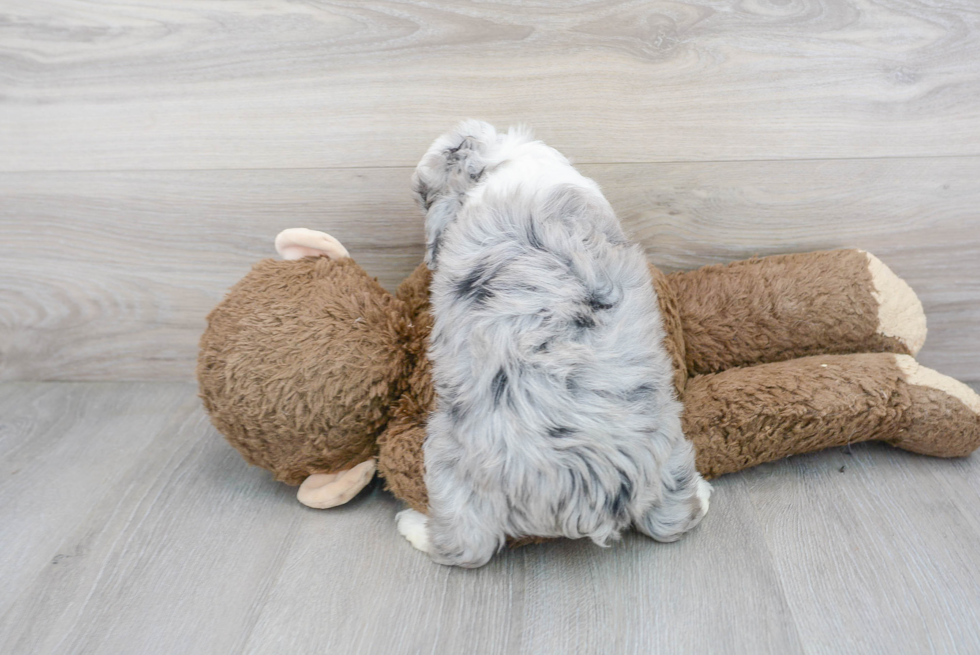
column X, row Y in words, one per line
column 298, row 242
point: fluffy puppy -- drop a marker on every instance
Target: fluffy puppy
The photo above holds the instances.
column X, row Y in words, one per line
column 556, row 414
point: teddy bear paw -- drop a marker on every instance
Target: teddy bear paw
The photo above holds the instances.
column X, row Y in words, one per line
column 943, row 418
column 414, row 526
column 900, row 313
column 918, row 375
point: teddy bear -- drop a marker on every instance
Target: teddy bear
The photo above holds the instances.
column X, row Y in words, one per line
column 313, row 371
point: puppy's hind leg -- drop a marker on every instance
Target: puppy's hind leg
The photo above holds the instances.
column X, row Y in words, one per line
column 462, row 528
column 684, row 501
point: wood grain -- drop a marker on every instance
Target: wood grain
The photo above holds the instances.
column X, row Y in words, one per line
column 110, row 275
column 150, row 151
column 153, row 536
column 169, row 556
column 61, row 448
column 874, row 553
column 649, row 598
column 564, row 597
column 142, row 84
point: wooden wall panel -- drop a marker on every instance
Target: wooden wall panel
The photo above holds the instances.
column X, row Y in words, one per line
column 108, row 275
column 143, row 84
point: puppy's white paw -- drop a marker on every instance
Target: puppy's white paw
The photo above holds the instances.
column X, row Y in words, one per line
column 704, row 495
column 414, row 526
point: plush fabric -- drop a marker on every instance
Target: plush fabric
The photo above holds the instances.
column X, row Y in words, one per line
column 302, row 363
column 400, row 460
column 745, row 416
column 779, row 308
column 673, row 341
column 300, row 385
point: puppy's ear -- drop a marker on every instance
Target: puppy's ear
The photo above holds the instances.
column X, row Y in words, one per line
column 466, row 161
column 440, row 214
column 454, row 163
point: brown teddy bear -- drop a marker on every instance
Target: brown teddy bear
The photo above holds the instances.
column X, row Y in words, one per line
column 315, row 372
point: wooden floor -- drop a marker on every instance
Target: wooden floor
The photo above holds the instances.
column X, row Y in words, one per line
column 129, row 526
column 150, row 150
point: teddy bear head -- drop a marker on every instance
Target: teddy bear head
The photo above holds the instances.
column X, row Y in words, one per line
column 301, row 363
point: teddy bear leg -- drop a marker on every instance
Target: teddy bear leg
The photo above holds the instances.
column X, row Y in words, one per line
column 944, row 418
column 746, row 416
column 684, row 502
column 789, row 306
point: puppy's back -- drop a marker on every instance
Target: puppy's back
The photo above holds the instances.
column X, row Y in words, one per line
column 556, row 414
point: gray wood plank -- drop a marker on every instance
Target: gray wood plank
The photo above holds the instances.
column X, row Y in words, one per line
column 184, row 548
column 146, row 84
column 61, row 447
column 564, row 597
column 714, row 591
column 920, row 216
column 130, row 263
column 173, row 554
column 189, row 550
column 351, row 583
column 110, row 275
column 874, row 552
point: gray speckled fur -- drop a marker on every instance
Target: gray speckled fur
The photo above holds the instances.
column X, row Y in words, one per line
column 556, row 412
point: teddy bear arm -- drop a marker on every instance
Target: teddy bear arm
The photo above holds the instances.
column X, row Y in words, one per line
column 401, row 462
column 747, row 416
column 414, row 292
column 673, row 340
column 787, row 306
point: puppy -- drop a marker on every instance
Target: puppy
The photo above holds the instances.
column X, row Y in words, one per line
column 556, row 414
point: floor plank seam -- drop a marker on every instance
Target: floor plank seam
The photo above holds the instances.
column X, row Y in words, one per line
column 753, row 516
column 255, row 609
column 638, row 162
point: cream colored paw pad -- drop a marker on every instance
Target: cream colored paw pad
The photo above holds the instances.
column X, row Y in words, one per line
column 921, row 376
column 900, row 313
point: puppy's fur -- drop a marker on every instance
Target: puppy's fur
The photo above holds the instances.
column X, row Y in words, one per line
column 556, row 412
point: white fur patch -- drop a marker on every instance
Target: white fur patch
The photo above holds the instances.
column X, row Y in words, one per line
column 704, row 495
column 413, row 526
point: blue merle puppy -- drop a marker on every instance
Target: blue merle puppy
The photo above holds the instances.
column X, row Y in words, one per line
column 556, row 413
